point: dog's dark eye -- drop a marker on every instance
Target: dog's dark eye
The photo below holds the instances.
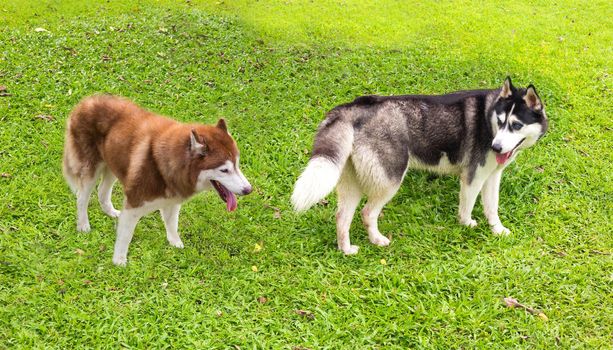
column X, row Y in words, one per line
column 224, row 170
column 517, row 126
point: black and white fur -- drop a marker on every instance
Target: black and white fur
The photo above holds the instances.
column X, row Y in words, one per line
column 365, row 148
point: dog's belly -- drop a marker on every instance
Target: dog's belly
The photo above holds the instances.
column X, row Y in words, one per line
column 444, row 166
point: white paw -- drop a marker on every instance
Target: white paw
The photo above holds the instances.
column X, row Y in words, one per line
column 176, row 243
column 351, row 250
column 120, row 260
column 83, row 227
column 112, row 212
column 379, row 240
column 499, row 230
column 469, row 223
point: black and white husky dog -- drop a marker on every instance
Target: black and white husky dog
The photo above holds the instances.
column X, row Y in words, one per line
column 365, row 148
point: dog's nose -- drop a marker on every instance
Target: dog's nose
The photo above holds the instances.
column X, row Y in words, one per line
column 247, row 190
column 497, row 147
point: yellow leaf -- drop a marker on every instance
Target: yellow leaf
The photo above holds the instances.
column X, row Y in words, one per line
column 383, row 262
column 543, row 316
column 257, row 248
column 254, row 268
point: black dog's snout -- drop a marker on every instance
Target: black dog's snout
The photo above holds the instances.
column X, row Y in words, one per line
column 497, row 148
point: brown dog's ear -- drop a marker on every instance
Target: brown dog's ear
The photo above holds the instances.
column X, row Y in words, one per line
column 532, row 99
column 222, row 124
column 196, row 147
column 507, row 88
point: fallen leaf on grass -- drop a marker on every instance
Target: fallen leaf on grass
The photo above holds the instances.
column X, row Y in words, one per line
column 40, row 30
column 277, row 212
column 383, row 262
column 262, row 300
column 5, row 94
column 257, row 248
column 6, row 175
column 71, row 50
column 298, row 347
column 254, row 268
column 45, row 117
column 79, row 251
column 568, row 138
column 2, row 88
column 304, row 313
column 513, row 303
column 510, row 302
column 598, row 252
column 218, row 313
column 87, row 282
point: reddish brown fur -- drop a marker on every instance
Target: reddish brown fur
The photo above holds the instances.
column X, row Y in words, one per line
column 149, row 154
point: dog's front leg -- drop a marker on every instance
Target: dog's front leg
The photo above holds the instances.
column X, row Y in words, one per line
column 469, row 190
column 489, row 197
column 170, row 215
column 125, row 230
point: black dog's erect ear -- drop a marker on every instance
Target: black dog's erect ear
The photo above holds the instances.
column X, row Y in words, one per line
column 222, row 124
column 507, row 88
column 532, row 99
column 195, row 146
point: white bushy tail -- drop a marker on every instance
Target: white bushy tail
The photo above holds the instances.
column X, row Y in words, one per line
column 315, row 183
column 331, row 150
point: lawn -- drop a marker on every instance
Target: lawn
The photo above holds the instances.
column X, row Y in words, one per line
column 264, row 277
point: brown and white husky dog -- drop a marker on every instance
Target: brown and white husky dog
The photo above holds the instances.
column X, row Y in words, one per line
column 159, row 162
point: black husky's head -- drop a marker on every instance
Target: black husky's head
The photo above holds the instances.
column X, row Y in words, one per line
column 518, row 120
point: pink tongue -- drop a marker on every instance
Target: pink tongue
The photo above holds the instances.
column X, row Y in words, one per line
column 231, row 202
column 502, row 158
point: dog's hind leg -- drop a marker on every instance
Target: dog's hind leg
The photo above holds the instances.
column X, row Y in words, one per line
column 349, row 195
column 85, row 186
column 489, row 197
column 170, row 215
column 372, row 209
column 105, row 189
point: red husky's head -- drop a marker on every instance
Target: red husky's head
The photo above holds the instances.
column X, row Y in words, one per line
column 215, row 163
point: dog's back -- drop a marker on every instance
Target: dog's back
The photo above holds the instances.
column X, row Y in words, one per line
column 103, row 128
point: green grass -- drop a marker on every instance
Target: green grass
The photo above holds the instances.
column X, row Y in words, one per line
column 272, row 69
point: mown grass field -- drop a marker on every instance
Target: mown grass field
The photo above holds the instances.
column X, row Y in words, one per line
column 272, row 69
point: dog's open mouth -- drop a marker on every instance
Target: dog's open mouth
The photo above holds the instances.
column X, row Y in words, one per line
column 502, row 158
column 225, row 195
